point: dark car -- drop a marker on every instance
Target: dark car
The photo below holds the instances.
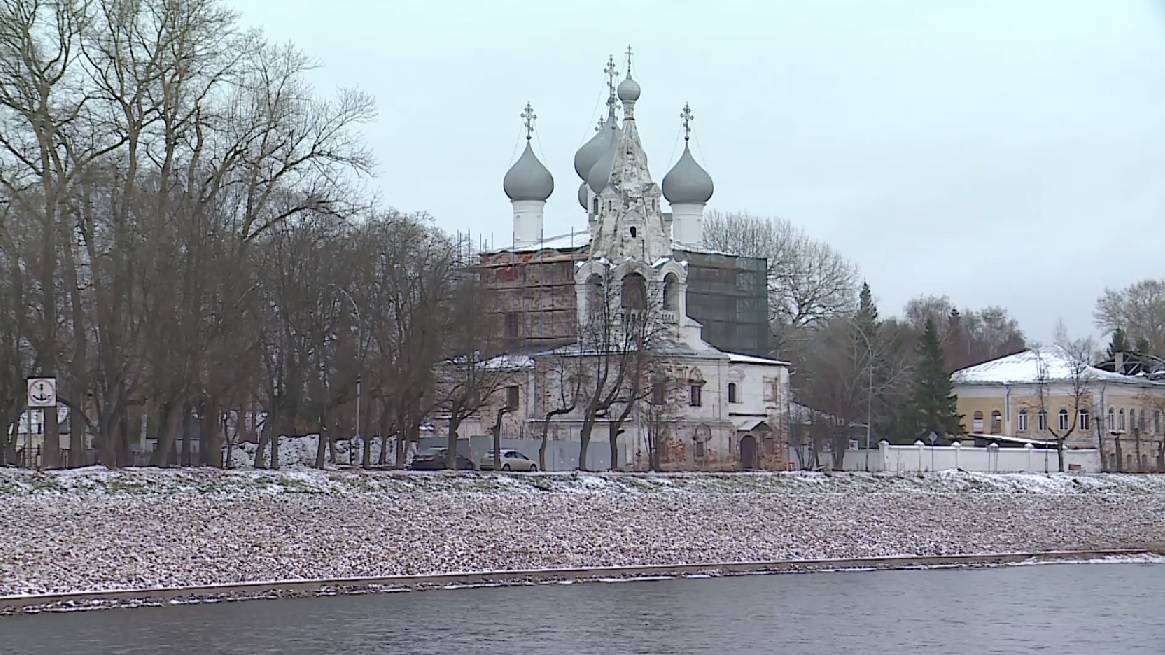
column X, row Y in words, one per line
column 433, row 459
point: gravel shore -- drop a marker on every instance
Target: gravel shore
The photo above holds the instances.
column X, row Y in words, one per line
column 98, row 530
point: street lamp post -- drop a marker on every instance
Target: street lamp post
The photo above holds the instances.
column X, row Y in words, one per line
column 870, row 391
column 358, row 407
column 359, row 362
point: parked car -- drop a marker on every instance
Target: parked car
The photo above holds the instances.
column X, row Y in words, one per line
column 433, row 459
column 512, row 460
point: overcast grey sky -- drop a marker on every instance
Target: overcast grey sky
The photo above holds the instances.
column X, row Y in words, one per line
column 1000, row 152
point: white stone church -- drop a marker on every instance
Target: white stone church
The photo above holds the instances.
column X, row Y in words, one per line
column 725, row 410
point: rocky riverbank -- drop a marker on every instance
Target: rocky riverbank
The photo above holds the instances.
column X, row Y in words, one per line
column 94, row 530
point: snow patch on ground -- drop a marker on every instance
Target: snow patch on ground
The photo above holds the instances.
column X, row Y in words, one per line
column 153, row 481
column 94, row 529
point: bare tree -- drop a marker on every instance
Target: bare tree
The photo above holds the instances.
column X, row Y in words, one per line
column 561, row 376
column 405, row 271
column 622, row 329
column 473, row 369
column 1138, row 309
column 152, row 144
column 834, row 381
column 659, row 412
column 969, row 336
column 1071, row 371
column 809, row 281
column 44, row 142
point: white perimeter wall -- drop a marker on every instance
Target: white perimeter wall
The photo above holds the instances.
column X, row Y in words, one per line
column 969, row 458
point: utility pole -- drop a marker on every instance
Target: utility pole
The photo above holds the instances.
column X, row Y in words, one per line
column 869, row 405
column 359, row 369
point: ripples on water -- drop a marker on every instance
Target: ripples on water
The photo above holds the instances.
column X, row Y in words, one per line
column 1090, row 609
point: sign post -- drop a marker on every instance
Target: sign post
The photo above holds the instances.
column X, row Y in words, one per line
column 42, row 395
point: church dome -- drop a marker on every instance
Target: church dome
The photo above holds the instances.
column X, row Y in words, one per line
column 687, row 182
column 628, row 89
column 582, row 195
column 600, row 173
column 589, row 153
column 528, row 179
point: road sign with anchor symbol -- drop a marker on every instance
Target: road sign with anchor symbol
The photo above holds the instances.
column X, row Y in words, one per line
column 42, row 392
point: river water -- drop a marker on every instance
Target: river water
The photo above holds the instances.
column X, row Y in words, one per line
column 1057, row 609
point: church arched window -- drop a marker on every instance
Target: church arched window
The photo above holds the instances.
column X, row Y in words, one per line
column 634, row 295
column 595, row 298
column 671, row 292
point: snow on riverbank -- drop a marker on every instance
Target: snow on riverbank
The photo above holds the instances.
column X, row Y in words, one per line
column 152, row 481
column 94, row 529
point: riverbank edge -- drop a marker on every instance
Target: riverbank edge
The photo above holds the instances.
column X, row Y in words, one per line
column 124, row 598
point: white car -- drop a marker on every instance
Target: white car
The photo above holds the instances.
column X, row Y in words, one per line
column 512, row 460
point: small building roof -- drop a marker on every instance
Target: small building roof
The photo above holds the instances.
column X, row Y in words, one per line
column 1047, row 364
column 1041, row 443
column 737, row 358
column 749, row 423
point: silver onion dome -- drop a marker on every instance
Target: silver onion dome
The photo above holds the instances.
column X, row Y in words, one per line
column 528, row 179
column 687, row 182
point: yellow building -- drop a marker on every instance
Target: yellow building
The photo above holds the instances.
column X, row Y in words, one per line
column 1045, row 393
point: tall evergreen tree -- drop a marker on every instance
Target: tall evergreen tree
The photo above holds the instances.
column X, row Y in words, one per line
column 934, row 398
column 866, row 323
column 867, row 310
column 1143, row 346
column 865, row 326
column 1119, row 343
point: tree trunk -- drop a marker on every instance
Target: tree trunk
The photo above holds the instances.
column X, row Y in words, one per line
column 77, row 454
column 1060, row 452
column 122, row 440
column 399, row 453
column 385, row 430
column 210, row 435
column 496, row 432
column 188, row 427
column 542, row 446
column 8, row 440
column 335, row 429
column 51, row 450
column 322, row 441
column 451, row 441
column 108, row 448
column 276, row 436
column 613, row 441
column 261, row 447
column 229, row 441
column 366, row 444
column 1161, row 456
column 383, row 459
column 584, row 441
column 1120, row 456
column 168, row 428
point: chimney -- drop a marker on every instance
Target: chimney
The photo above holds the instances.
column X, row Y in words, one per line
column 1119, row 363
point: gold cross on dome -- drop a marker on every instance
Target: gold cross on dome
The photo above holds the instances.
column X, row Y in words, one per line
column 687, row 116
